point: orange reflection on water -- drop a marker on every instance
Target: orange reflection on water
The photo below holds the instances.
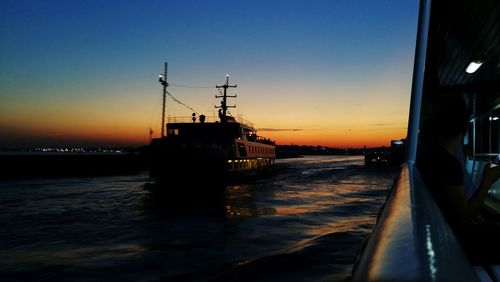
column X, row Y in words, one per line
column 342, row 225
column 73, row 253
column 234, row 211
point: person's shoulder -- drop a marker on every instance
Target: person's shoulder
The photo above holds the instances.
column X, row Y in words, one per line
column 430, row 156
column 436, row 159
column 437, row 164
column 436, row 153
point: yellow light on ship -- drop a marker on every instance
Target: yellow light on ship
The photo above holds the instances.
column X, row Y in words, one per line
column 473, row 66
column 229, row 161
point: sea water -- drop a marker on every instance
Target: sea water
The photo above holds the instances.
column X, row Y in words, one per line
column 304, row 223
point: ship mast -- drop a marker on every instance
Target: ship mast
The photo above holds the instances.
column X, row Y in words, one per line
column 223, row 103
column 162, row 78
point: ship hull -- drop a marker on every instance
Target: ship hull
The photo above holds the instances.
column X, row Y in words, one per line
column 174, row 167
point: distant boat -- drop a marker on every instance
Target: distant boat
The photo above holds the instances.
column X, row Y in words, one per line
column 392, row 156
column 209, row 149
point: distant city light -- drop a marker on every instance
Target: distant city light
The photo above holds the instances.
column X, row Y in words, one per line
column 493, row 118
column 473, row 66
column 74, row 150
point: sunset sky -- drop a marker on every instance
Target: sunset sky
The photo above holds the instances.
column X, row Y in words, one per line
column 317, row 72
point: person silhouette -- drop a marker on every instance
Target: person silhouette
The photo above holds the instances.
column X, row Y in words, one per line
column 443, row 175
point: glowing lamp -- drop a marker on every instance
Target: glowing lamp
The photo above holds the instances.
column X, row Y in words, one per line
column 473, row 66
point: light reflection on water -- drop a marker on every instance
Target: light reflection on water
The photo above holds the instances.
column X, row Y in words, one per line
column 304, row 223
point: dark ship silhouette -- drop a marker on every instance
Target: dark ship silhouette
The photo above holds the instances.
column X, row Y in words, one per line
column 210, row 150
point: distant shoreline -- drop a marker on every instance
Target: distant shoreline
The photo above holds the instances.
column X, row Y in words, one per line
column 28, row 165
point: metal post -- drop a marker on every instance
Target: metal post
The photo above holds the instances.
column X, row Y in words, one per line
column 224, row 97
column 418, row 80
column 224, row 100
column 163, row 81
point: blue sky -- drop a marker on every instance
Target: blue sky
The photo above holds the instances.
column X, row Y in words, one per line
column 94, row 64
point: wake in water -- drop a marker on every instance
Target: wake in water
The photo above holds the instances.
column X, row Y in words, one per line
column 304, row 223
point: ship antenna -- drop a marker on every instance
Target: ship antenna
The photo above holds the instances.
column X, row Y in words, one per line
column 223, row 104
column 162, row 78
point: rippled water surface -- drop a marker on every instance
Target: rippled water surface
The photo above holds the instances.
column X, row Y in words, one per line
column 305, row 223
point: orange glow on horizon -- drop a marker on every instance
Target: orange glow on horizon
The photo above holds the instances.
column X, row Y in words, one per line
column 342, row 138
column 337, row 121
column 137, row 135
column 61, row 127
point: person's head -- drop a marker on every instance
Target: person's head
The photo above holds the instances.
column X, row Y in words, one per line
column 449, row 120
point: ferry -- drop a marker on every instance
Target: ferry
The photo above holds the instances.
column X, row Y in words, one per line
column 392, row 156
column 209, row 150
column 457, row 54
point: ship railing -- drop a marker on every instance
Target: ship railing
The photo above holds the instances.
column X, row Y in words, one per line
column 207, row 119
column 412, row 240
column 240, row 119
column 265, row 140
